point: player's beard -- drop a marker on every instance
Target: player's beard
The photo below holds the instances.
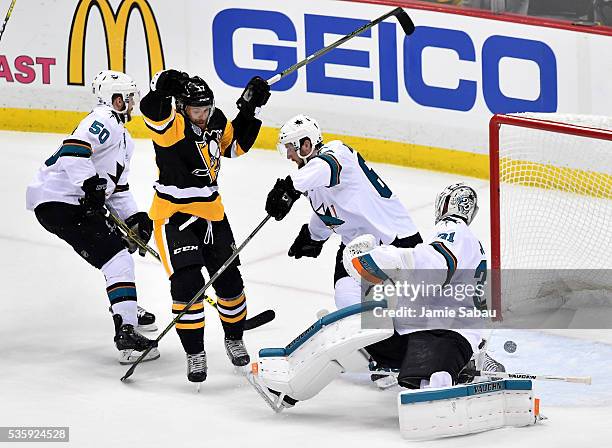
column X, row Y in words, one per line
column 201, row 124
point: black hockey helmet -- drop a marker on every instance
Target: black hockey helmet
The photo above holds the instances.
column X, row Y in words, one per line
column 196, row 93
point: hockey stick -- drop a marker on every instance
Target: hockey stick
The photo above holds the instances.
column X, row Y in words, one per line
column 401, row 15
column 528, row 376
column 8, row 15
column 197, row 296
column 253, row 322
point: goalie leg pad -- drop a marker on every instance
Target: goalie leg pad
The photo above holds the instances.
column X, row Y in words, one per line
column 433, row 351
column 467, row 409
column 332, row 345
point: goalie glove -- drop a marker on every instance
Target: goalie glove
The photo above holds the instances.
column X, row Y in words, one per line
column 305, row 246
column 142, row 227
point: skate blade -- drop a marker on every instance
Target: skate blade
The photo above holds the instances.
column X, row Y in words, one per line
column 147, row 328
column 129, row 356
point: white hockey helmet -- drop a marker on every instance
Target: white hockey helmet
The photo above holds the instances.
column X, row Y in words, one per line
column 457, row 200
column 295, row 130
column 109, row 83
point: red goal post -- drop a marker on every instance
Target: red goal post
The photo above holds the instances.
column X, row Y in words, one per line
column 544, row 161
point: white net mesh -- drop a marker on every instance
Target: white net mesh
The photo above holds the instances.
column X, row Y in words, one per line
column 555, row 209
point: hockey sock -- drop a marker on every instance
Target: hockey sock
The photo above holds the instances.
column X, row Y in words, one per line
column 184, row 284
column 232, row 312
column 120, row 286
column 190, row 327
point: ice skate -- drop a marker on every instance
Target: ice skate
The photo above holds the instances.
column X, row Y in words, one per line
column 132, row 344
column 236, row 352
column 197, row 368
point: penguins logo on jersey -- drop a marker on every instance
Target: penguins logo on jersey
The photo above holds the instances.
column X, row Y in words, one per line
column 329, row 216
column 210, row 153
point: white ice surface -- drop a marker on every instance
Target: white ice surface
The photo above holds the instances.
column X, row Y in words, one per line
column 58, row 363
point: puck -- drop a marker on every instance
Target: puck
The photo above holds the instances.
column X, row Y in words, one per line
column 510, row 346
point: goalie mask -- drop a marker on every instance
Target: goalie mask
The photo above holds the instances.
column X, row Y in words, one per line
column 293, row 133
column 457, row 200
column 109, row 83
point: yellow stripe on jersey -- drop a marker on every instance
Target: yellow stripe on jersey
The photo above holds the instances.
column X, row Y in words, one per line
column 163, row 209
column 161, row 245
column 227, row 139
column 170, row 136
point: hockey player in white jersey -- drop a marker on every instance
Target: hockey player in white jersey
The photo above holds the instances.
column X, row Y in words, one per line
column 88, row 171
column 425, row 357
column 455, row 256
column 347, row 198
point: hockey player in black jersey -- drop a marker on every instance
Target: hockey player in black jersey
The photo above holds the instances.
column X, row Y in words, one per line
column 190, row 225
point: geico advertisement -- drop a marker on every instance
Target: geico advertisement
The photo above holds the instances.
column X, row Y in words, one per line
column 437, row 87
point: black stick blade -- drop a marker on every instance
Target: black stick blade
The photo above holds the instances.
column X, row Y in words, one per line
column 128, row 373
column 259, row 320
column 405, row 21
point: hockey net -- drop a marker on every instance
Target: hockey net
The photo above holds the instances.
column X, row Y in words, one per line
column 551, row 206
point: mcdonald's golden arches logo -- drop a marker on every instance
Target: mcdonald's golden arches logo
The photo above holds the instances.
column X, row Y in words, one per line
column 115, row 29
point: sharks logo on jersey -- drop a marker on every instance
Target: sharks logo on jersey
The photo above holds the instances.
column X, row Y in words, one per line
column 329, row 216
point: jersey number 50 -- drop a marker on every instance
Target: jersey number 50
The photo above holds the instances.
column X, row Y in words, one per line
column 97, row 128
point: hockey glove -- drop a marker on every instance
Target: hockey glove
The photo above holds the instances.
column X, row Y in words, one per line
column 305, row 246
column 95, row 195
column 142, row 226
column 169, row 82
column 281, row 198
column 256, row 94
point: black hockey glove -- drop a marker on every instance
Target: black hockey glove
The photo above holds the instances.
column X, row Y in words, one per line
column 305, row 246
column 95, row 195
column 256, row 94
column 281, row 198
column 142, row 226
column 169, row 82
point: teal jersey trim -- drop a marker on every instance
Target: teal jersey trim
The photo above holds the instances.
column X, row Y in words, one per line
column 335, row 167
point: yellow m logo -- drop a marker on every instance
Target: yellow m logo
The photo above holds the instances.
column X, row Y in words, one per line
column 115, row 30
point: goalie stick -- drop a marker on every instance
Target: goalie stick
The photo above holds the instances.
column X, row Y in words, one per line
column 529, row 376
column 253, row 322
column 510, row 376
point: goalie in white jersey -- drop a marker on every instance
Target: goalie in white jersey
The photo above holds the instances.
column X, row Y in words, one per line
column 69, row 192
column 452, row 256
column 347, row 198
column 424, row 355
